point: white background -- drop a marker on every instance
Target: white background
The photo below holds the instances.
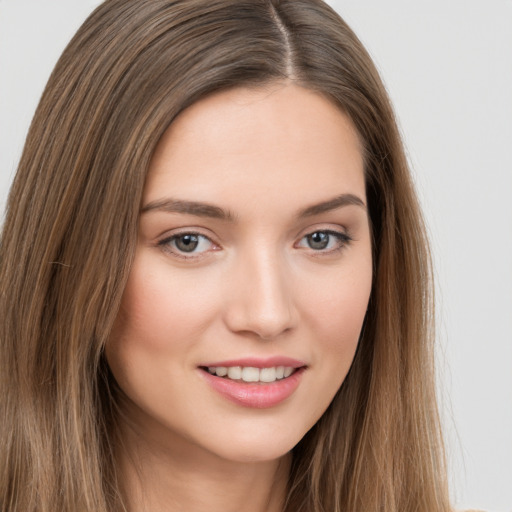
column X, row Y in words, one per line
column 448, row 68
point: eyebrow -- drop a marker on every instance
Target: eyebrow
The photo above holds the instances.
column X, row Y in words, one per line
column 201, row 209
column 332, row 204
column 189, row 207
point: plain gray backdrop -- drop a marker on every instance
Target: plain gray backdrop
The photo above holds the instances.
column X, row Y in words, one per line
column 447, row 65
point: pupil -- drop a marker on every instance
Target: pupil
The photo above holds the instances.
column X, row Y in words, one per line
column 187, row 243
column 318, row 240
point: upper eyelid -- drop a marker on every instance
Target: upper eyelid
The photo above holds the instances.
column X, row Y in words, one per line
column 320, row 227
column 167, row 237
column 344, row 237
column 177, row 235
column 299, row 236
column 183, row 231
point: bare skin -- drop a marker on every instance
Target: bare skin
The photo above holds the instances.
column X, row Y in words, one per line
column 254, row 245
column 192, row 480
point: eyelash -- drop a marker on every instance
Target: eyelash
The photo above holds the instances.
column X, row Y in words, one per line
column 167, row 244
column 342, row 241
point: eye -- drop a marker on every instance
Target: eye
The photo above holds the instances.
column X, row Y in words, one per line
column 324, row 240
column 184, row 244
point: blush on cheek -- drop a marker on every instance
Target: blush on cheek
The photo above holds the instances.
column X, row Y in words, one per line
column 340, row 317
column 156, row 318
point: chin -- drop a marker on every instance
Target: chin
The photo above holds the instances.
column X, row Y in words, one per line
column 255, row 453
column 262, row 446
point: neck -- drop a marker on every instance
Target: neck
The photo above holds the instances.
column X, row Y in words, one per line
column 181, row 477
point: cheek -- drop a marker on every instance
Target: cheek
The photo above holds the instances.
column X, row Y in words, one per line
column 162, row 310
column 339, row 305
column 336, row 311
column 163, row 317
column 154, row 331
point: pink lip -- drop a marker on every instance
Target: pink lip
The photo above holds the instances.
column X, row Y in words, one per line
column 257, row 395
column 256, row 362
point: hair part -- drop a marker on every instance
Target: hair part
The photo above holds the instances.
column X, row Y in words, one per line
column 71, row 228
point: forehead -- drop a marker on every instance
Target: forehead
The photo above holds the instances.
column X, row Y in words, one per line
column 248, row 143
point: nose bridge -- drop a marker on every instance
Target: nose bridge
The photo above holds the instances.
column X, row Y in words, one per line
column 262, row 301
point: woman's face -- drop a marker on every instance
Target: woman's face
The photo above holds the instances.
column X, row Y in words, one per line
column 253, row 259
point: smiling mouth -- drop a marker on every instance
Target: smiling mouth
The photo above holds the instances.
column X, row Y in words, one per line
column 251, row 374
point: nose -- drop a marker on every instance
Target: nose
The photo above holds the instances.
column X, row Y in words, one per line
column 260, row 297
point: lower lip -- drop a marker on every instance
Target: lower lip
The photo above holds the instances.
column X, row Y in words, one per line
column 257, row 395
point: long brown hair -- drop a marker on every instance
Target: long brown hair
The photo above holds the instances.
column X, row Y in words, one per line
column 71, row 229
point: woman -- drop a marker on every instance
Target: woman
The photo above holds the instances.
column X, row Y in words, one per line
column 221, row 275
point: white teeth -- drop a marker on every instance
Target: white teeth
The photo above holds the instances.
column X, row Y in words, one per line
column 268, row 374
column 235, row 372
column 221, row 371
column 252, row 374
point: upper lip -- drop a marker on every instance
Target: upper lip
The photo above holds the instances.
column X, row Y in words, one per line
column 257, row 362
